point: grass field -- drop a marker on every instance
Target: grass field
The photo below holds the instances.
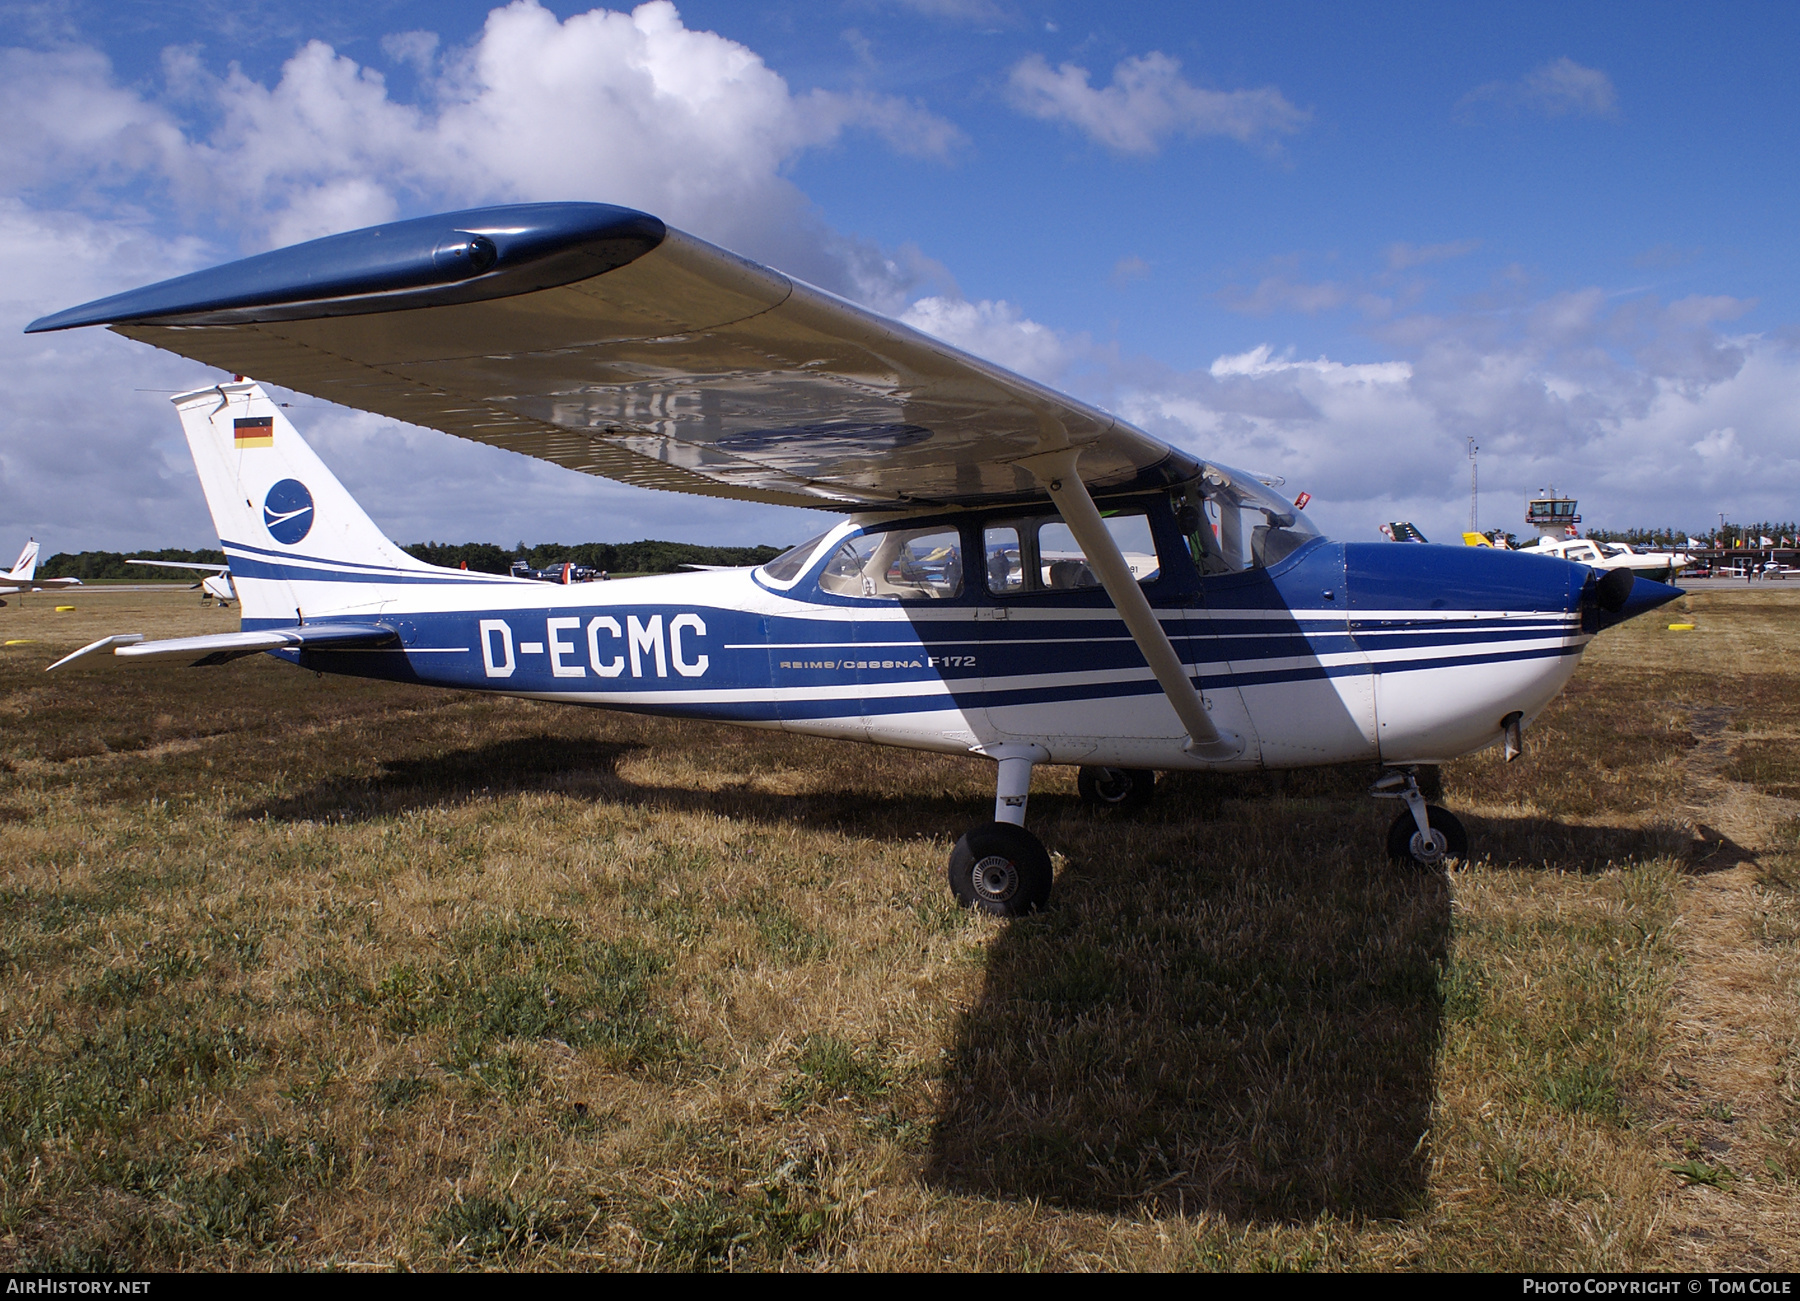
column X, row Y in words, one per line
column 304, row 972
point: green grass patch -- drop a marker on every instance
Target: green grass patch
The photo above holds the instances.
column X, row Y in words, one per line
column 101, row 1081
column 828, row 1069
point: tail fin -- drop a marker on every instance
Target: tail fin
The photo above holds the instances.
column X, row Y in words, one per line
column 26, row 569
column 298, row 543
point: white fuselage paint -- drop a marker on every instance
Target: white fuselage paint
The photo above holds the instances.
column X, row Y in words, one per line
column 617, row 647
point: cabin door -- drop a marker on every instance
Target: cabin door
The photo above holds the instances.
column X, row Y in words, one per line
column 1058, row 663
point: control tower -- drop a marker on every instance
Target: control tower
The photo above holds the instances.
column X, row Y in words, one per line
column 1552, row 516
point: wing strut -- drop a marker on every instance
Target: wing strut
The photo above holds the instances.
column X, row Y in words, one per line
column 1058, row 474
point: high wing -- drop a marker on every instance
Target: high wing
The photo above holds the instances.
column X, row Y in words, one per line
column 598, row 338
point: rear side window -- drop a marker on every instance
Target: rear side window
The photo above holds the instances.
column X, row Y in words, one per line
column 898, row 565
column 1042, row 555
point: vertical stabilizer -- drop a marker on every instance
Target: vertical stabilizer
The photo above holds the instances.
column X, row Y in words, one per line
column 298, row 544
column 26, row 569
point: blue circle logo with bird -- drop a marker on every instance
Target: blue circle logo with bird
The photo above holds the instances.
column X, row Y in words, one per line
column 288, row 511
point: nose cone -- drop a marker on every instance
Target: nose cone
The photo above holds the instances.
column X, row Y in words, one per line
column 1614, row 601
column 1460, row 639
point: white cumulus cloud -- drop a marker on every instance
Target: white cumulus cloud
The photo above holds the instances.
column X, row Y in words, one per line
column 997, row 332
column 1644, row 410
column 633, row 108
column 1148, row 102
column 1559, row 88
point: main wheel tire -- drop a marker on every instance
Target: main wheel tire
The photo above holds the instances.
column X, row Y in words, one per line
column 1448, row 839
column 1000, row 869
column 1116, row 788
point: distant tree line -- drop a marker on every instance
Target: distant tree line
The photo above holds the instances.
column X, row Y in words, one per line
column 645, row 557
column 1750, row 534
column 1662, row 537
column 91, row 565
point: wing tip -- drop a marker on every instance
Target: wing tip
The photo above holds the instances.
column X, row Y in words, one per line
column 474, row 254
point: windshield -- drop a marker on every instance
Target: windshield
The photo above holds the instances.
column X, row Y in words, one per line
column 1241, row 524
column 786, row 567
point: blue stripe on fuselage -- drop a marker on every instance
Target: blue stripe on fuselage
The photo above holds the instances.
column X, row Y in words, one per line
column 796, row 667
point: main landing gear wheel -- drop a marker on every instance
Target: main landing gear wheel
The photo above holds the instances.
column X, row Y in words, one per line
column 1407, row 844
column 1000, row 869
column 1116, row 788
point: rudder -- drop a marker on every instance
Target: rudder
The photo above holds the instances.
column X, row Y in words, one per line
column 26, row 569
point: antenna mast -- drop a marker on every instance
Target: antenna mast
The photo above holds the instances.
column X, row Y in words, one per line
column 1473, row 527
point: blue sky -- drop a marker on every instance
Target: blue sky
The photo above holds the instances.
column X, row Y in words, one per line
column 1322, row 241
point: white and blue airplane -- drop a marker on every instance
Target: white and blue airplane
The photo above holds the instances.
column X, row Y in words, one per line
column 1017, row 574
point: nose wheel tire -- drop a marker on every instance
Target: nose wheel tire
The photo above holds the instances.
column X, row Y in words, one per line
column 1116, row 788
column 1000, row 869
column 1407, row 844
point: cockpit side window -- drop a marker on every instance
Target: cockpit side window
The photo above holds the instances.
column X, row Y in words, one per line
column 897, row 565
column 1233, row 523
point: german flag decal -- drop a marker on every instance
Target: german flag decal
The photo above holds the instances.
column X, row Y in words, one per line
column 253, row 431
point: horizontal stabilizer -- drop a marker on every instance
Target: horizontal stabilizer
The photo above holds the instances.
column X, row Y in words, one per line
column 220, row 648
column 182, row 564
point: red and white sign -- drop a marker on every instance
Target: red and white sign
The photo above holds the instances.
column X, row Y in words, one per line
column 1301, row 500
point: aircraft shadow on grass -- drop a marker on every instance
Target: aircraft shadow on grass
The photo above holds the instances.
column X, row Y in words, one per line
column 588, row 769
column 1241, row 1022
column 1255, row 1039
column 1252, row 1042
column 1545, row 844
column 1251, row 1035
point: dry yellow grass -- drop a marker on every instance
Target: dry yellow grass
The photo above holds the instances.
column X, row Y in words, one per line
column 309, row 972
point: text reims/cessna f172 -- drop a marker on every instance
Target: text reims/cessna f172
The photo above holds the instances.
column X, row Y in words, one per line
column 1017, row 575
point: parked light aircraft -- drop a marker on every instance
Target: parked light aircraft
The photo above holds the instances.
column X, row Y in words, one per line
column 1610, row 555
column 977, row 596
column 22, row 576
column 565, row 573
column 216, row 584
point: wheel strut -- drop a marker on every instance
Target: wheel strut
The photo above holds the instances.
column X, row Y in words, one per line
column 1424, row 835
column 1405, row 786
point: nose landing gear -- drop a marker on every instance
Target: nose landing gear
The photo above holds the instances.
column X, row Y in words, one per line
column 1425, row 835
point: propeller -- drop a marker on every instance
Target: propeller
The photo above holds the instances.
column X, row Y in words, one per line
column 1614, row 589
column 1616, row 595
